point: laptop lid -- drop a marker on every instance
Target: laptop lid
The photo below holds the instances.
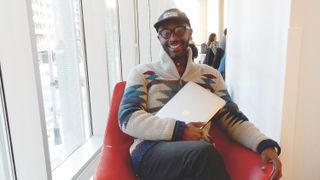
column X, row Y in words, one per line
column 192, row 103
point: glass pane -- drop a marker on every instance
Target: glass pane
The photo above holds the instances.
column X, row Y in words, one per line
column 113, row 47
column 60, row 46
column 6, row 165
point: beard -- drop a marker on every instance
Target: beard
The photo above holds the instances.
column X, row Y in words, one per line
column 177, row 49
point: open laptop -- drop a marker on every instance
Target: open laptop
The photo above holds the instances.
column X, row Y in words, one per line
column 192, row 103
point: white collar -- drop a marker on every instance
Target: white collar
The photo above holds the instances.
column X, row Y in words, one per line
column 168, row 65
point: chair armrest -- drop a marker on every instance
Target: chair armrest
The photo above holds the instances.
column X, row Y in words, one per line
column 114, row 160
column 241, row 162
column 114, row 164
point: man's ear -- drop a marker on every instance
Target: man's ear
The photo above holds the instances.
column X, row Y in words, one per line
column 190, row 34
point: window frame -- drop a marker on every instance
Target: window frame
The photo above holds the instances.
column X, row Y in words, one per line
column 22, row 86
column 6, row 132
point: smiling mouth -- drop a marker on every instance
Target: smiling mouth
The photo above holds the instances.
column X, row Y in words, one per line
column 175, row 46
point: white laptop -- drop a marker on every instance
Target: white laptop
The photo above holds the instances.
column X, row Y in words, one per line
column 192, row 103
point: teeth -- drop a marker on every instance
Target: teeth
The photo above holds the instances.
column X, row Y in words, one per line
column 174, row 46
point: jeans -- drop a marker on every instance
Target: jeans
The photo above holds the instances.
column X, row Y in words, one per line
column 183, row 160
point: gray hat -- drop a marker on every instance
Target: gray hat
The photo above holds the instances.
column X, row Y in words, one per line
column 171, row 14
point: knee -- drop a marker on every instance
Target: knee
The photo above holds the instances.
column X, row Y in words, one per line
column 207, row 152
column 205, row 147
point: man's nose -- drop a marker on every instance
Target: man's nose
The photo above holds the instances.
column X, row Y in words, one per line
column 173, row 36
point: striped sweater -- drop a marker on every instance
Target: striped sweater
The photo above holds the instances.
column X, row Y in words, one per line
column 150, row 86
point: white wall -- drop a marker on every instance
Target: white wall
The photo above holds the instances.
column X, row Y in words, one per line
column 277, row 85
column 300, row 132
column 213, row 20
column 256, row 45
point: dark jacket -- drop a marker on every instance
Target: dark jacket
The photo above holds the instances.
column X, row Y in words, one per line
column 212, row 59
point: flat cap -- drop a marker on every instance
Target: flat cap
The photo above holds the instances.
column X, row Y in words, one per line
column 171, row 14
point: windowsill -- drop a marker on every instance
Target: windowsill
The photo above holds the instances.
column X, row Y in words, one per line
column 79, row 160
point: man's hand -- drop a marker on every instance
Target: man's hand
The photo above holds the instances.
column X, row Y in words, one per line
column 192, row 131
column 269, row 155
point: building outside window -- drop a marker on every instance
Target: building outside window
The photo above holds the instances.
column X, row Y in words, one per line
column 63, row 72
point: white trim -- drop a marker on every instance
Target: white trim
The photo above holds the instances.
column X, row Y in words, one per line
column 94, row 24
column 144, row 28
column 20, row 86
column 128, row 39
column 89, row 171
column 8, row 168
column 77, row 163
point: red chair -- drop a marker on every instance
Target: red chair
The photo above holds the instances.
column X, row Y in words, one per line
column 114, row 164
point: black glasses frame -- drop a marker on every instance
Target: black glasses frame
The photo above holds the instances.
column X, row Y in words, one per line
column 178, row 31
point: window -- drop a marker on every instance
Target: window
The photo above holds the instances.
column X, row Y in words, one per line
column 6, row 165
column 63, row 72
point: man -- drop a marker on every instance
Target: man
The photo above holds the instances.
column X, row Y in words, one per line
column 169, row 148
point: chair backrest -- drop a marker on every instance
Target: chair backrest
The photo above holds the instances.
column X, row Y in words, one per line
column 114, row 135
column 115, row 159
column 209, row 57
column 204, row 48
column 217, row 57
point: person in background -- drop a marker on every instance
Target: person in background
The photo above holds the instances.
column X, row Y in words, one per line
column 169, row 148
column 222, row 66
column 222, row 42
column 214, row 53
column 203, row 48
column 210, row 44
column 212, row 41
column 222, row 45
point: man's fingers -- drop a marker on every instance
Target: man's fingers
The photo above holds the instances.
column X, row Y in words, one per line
column 198, row 124
column 264, row 163
column 276, row 172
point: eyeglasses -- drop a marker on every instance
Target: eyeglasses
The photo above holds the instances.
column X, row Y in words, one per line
column 178, row 31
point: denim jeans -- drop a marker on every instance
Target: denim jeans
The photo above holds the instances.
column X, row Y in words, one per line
column 183, row 160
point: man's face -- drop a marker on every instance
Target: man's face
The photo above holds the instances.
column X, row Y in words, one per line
column 174, row 37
